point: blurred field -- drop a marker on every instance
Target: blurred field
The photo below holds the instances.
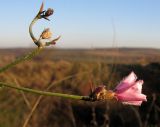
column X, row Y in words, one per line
column 101, row 66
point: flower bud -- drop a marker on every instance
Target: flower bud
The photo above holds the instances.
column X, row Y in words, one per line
column 46, row 34
column 48, row 13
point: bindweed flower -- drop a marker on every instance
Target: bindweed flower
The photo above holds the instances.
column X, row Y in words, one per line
column 128, row 91
column 46, row 34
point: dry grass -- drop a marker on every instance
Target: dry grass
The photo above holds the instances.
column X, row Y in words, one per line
column 57, row 65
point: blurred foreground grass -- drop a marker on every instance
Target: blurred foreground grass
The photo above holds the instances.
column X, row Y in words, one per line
column 104, row 66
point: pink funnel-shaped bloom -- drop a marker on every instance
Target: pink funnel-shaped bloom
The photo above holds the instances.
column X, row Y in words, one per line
column 129, row 90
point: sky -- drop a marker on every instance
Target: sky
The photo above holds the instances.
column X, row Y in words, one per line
column 83, row 23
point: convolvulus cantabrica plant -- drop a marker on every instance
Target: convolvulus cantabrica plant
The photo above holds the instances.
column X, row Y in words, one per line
column 128, row 91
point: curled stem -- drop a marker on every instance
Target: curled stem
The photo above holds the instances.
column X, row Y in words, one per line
column 69, row 96
column 31, row 32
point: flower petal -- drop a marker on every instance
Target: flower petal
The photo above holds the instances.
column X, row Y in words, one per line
column 125, row 97
column 137, row 87
column 138, row 103
column 133, row 93
column 126, row 83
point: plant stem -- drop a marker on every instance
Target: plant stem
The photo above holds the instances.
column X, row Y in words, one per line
column 21, row 59
column 69, row 96
column 31, row 32
column 50, row 85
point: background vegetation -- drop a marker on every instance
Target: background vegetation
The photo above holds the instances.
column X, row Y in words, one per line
column 77, row 68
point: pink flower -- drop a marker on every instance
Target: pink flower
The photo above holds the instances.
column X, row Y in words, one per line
column 129, row 90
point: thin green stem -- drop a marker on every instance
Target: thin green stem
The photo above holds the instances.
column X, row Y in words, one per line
column 69, row 96
column 50, row 85
column 21, row 59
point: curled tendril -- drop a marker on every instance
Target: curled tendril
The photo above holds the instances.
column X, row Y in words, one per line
column 46, row 34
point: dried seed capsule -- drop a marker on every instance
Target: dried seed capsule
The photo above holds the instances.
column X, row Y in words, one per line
column 48, row 13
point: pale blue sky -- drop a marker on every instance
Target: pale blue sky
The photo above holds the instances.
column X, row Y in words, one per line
column 83, row 23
